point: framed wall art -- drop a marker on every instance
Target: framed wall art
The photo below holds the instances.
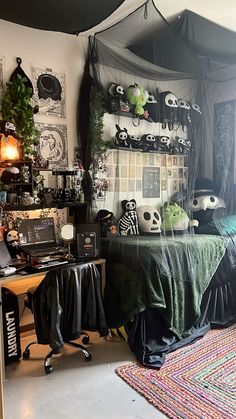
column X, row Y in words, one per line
column 53, row 147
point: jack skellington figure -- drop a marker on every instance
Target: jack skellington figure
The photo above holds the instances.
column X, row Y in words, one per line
column 163, row 143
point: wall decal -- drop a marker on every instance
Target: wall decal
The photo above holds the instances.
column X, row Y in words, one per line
column 49, row 92
column 53, row 145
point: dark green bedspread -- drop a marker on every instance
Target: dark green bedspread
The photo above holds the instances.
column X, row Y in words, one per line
column 170, row 274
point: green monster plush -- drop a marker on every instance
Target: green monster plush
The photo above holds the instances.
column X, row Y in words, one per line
column 174, row 218
column 137, row 97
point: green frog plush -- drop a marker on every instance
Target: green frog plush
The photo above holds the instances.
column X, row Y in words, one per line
column 175, row 218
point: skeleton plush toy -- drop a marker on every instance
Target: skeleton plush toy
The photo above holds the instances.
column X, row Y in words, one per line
column 117, row 100
column 122, row 137
column 163, row 143
column 196, row 114
column 168, row 110
column 149, row 220
column 149, row 142
column 128, row 223
column 12, row 242
column 184, row 114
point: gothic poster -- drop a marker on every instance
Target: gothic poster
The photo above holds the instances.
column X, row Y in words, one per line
column 53, row 148
column 49, row 92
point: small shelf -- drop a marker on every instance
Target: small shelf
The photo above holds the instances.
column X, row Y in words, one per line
column 32, row 207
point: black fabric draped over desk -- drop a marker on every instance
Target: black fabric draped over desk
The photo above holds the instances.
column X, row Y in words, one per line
column 67, row 301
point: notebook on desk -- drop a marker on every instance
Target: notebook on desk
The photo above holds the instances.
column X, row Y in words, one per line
column 37, row 237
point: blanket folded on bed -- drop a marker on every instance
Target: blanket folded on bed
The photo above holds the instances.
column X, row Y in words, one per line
column 169, row 273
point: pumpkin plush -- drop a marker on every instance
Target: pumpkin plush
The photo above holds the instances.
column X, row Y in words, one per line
column 108, row 223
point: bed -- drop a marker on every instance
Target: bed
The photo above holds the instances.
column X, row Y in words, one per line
column 168, row 291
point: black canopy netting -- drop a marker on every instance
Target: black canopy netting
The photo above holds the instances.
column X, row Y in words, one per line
column 161, row 97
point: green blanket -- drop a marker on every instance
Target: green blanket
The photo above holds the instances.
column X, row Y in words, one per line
column 170, row 274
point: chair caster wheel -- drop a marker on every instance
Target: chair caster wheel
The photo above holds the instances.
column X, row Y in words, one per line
column 48, row 369
column 88, row 358
column 85, row 340
column 26, row 354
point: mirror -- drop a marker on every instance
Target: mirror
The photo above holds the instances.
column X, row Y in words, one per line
column 67, row 234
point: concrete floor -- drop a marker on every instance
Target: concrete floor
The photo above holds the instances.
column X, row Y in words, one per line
column 75, row 389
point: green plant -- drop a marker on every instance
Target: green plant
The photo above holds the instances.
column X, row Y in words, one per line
column 17, row 109
column 98, row 146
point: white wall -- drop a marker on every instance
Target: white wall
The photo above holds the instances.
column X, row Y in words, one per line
column 43, row 49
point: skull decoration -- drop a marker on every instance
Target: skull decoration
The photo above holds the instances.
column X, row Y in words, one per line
column 184, row 116
column 163, row 143
column 168, row 110
column 149, row 219
column 148, row 142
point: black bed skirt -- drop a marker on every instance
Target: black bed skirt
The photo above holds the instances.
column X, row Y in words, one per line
column 150, row 338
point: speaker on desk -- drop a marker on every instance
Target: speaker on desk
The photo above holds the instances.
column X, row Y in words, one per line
column 88, row 241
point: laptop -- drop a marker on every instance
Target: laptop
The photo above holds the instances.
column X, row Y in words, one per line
column 37, row 237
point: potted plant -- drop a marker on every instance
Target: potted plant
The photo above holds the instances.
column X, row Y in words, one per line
column 17, row 109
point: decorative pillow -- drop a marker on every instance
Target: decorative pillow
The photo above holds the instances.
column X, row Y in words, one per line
column 149, row 219
column 128, row 223
column 222, row 226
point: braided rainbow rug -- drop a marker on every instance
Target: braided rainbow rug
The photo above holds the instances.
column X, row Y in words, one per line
column 196, row 381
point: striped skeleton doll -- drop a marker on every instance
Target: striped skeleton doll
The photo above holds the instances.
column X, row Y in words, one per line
column 128, row 223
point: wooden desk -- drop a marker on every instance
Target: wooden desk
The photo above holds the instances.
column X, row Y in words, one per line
column 19, row 284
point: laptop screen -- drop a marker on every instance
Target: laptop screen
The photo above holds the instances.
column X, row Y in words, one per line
column 36, row 231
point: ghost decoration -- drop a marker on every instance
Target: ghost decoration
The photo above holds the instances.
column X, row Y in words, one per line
column 163, row 143
column 184, row 117
column 168, row 110
column 149, row 220
column 128, row 223
column 149, row 142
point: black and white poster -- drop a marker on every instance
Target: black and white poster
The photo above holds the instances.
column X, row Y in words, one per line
column 53, row 147
column 49, row 92
column 151, row 182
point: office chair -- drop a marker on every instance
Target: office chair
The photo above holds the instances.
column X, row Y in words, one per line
column 66, row 301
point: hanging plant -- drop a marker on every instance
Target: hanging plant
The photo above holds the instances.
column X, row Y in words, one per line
column 17, row 109
column 98, row 146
